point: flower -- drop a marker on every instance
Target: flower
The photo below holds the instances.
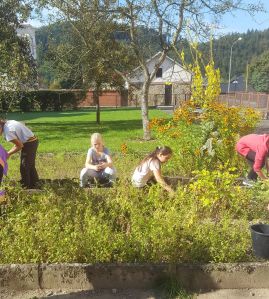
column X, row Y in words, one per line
column 124, row 148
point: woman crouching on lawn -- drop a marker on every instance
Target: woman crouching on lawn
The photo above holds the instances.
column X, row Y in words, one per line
column 98, row 166
column 149, row 170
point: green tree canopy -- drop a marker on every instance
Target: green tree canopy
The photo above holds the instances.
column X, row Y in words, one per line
column 88, row 54
column 259, row 72
column 17, row 68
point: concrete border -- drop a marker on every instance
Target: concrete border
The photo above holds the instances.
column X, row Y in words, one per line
column 132, row 276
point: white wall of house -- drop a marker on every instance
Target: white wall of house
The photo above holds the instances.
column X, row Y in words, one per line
column 171, row 72
column 170, row 86
column 28, row 31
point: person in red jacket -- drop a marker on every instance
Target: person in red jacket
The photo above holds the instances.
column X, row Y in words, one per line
column 255, row 148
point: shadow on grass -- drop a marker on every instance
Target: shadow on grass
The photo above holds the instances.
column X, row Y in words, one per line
column 56, row 183
column 21, row 116
column 55, row 130
column 107, row 294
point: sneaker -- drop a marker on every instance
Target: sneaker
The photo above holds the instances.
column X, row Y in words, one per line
column 248, row 183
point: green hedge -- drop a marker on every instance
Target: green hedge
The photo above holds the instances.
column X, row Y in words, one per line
column 44, row 100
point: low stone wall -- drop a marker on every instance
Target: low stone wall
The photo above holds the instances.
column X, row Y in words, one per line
column 132, row 276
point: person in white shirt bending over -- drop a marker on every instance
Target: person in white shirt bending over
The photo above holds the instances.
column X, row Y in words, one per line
column 98, row 166
column 149, row 170
column 26, row 142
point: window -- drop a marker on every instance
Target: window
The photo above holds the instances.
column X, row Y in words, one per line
column 159, row 73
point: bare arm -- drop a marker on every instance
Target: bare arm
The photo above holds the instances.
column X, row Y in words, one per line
column 103, row 165
column 89, row 165
column 159, row 178
column 16, row 148
column 267, row 165
column 261, row 175
column 108, row 163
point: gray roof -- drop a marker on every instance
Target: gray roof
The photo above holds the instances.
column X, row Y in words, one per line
column 238, row 83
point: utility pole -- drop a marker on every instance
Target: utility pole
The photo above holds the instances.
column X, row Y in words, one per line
column 247, row 78
column 230, row 64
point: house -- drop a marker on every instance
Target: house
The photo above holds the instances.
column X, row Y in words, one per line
column 237, row 84
column 170, row 85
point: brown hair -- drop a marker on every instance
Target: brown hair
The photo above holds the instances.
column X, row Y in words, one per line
column 2, row 122
column 163, row 150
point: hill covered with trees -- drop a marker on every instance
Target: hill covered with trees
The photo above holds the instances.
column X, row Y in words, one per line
column 252, row 45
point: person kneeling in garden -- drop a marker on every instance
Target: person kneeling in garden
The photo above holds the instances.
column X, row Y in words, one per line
column 255, row 148
column 99, row 166
column 26, row 142
column 149, row 170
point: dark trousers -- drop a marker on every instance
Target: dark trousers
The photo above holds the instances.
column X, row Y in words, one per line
column 252, row 175
column 2, row 192
column 29, row 176
column 99, row 176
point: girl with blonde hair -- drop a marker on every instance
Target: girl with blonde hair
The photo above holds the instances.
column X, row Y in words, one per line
column 98, row 166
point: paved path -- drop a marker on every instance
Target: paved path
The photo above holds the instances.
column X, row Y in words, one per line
column 263, row 128
column 139, row 294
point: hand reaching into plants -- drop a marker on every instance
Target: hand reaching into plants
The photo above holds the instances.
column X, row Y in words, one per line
column 172, row 193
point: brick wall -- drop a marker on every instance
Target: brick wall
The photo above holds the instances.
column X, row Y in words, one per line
column 108, row 98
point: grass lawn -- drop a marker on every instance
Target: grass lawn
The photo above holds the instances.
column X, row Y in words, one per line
column 69, row 131
column 65, row 137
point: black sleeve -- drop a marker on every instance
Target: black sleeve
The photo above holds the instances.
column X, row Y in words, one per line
column 1, row 173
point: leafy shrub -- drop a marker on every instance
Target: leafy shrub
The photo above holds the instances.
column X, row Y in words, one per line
column 44, row 100
column 57, row 100
column 205, row 140
column 200, row 224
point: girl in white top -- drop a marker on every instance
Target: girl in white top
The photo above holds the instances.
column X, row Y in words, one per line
column 98, row 165
column 150, row 168
column 26, row 142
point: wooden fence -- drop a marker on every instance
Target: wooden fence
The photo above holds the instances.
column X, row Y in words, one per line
column 257, row 100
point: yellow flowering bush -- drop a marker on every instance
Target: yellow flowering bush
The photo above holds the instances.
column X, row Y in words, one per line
column 206, row 139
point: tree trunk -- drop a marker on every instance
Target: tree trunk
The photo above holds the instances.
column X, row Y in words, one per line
column 144, row 111
column 96, row 95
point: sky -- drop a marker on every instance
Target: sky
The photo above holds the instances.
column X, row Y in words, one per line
column 241, row 21
column 238, row 21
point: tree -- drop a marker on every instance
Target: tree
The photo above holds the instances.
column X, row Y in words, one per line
column 259, row 72
column 90, row 52
column 173, row 20
column 17, row 67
